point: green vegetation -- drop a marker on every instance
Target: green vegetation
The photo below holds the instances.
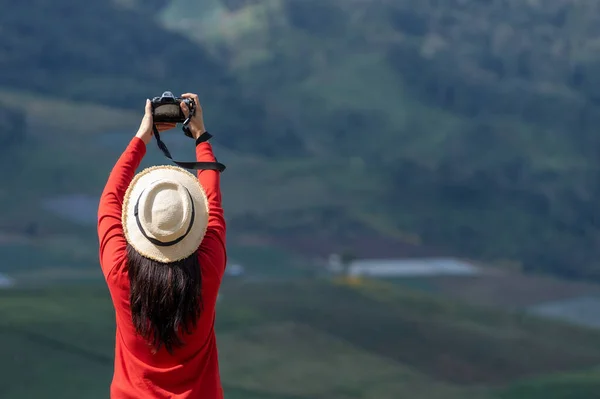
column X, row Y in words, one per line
column 364, row 127
column 479, row 118
column 570, row 385
column 333, row 341
column 475, row 138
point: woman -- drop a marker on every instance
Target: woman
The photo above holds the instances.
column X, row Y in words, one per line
column 162, row 252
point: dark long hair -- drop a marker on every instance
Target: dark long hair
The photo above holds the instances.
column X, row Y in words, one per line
column 165, row 298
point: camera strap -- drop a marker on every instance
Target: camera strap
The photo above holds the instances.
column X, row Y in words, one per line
column 189, row 165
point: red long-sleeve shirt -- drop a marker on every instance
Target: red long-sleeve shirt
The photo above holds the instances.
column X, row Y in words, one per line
column 192, row 372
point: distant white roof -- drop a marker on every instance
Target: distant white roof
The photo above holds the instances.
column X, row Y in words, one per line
column 411, row 267
column 234, row 269
column 5, row 281
column 584, row 311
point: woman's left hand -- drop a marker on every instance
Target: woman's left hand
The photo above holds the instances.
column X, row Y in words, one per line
column 145, row 130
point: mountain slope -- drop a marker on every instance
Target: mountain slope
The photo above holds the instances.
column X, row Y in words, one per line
column 411, row 123
column 478, row 117
column 95, row 52
column 105, row 53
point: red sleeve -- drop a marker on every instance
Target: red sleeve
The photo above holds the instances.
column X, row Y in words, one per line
column 110, row 230
column 213, row 244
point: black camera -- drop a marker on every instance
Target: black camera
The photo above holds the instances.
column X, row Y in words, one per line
column 166, row 108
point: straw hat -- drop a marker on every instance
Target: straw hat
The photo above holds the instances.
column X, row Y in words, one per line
column 165, row 213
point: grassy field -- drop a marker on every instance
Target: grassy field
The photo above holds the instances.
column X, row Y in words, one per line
column 566, row 386
column 310, row 340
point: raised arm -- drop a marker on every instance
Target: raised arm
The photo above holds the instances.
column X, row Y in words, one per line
column 211, row 182
column 213, row 245
column 110, row 230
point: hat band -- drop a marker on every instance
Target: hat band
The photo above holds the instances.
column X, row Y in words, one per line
column 154, row 240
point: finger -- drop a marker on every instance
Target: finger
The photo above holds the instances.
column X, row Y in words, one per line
column 148, row 110
column 193, row 97
column 184, row 108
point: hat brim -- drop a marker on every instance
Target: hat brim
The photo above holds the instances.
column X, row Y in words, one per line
column 136, row 238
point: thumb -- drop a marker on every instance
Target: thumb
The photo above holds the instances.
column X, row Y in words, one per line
column 184, row 108
column 148, row 110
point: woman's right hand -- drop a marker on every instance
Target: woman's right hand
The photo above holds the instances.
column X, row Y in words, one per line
column 145, row 131
column 196, row 124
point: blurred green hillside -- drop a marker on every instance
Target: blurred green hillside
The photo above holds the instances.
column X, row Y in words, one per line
column 383, row 128
column 464, row 127
column 478, row 117
column 310, row 340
